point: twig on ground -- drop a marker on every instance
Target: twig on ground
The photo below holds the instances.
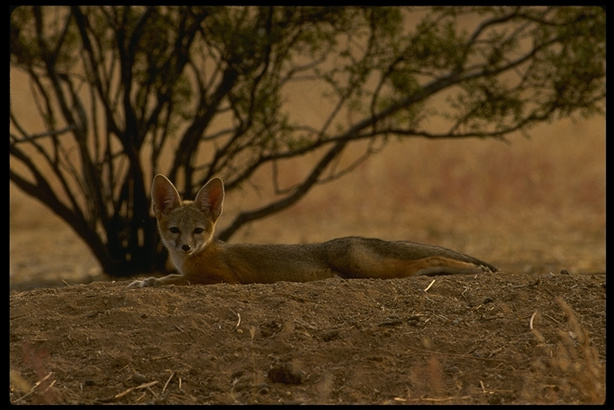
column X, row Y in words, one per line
column 531, row 320
column 38, row 383
column 130, row 390
column 429, row 286
column 167, row 382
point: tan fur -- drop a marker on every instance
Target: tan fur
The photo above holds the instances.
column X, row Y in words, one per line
column 187, row 228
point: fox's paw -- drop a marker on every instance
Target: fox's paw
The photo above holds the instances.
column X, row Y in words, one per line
column 145, row 283
column 488, row 269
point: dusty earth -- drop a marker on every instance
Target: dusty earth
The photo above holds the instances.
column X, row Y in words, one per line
column 487, row 339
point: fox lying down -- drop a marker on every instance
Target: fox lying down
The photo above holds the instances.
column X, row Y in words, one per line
column 187, row 228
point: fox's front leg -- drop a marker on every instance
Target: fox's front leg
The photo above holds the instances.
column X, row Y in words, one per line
column 174, row 279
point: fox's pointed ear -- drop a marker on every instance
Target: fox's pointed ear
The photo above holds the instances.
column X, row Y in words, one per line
column 164, row 196
column 210, row 198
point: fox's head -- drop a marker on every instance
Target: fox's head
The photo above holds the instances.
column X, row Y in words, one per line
column 186, row 227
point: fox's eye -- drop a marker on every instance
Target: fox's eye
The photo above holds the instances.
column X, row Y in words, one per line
column 174, row 229
column 198, row 230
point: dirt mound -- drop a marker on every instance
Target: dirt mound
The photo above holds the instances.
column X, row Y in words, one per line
column 487, row 339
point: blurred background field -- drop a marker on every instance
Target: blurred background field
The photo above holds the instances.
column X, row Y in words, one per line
column 533, row 205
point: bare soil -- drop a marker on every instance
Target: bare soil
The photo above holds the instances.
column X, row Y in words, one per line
column 501, row 338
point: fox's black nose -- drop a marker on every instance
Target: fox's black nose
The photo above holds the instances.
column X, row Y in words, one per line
column 185, row 247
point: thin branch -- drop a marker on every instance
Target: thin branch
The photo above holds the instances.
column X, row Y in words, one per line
column 289, row 200
column 29, row 138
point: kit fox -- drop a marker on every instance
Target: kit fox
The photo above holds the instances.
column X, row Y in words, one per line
column 187, row 227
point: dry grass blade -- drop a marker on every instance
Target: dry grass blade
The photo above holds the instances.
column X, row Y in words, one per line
column 429, row 286
column 128, row 391
column 531, row 320
column 36, row 385
column 167, row 382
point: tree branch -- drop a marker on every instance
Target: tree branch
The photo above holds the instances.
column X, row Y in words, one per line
column 289, row 200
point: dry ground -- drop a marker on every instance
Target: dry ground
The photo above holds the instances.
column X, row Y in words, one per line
column 534, row 333
column 492, row 339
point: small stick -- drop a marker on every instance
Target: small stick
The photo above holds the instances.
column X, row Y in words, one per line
column 239, row 316
column 553, row 319
column 38, row 383
column 50, row 385
column 153, row 392
column 167, row 382
column 434, row 399
column 142, row 386
column 531, row 320
column 429, row 286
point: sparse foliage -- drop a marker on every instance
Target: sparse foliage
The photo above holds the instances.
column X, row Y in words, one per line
column 121, row 93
